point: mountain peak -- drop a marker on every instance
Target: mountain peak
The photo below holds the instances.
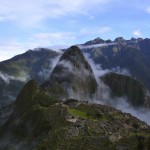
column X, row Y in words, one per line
column 72, row 73
column 75, row 56
column 71, row 52
column 120, row 40
column 98, row 40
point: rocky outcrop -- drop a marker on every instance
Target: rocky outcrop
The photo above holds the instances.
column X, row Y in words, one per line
column 73, row 75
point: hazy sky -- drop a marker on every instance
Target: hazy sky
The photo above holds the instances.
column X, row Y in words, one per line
column 26, row 24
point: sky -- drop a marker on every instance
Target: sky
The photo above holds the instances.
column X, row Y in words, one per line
column 28, row 24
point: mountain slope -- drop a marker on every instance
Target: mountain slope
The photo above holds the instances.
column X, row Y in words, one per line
column 69, row 125
column 29, row 63
column 15, row 72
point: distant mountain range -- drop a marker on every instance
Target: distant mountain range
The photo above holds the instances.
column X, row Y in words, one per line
column 61, row 112
column 132, row 55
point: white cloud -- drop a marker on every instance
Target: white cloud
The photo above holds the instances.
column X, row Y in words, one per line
column 33, row 12
column 7, row 78
column 103, row 29
column 54, row 40
column 148, row 10
column 55, row 36
column 10, row 48
column 94, row 30
column 137, row 33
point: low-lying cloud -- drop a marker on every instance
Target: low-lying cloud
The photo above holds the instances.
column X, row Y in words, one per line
column 96, row 45
column 141, row 113
column 103, row 95
column 45, row 73
column 7, row 78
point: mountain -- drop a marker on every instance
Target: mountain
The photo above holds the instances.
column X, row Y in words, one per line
column 95, row 41
column 73, row 75
column 46, row 116
column 40, row 122
column 15, row 72
column 122, row 86
column 132, row 55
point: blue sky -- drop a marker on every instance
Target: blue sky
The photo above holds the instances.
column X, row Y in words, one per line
column 27, row 24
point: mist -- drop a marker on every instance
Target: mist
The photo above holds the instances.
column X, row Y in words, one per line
column 96, row 45
column 141, row 113
column 103, row 95
column 7, row 78
column 45, row 73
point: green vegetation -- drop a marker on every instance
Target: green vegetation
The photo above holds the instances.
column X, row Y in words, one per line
column 45, row 125
column 20, row 69
column 87, row 112
column 79, row 113
column 125, row 86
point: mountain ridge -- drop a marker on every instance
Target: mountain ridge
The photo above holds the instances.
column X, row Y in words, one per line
column 126, row 56
column 132, row 55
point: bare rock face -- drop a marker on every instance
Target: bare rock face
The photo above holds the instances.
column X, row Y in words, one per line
column 73, row 75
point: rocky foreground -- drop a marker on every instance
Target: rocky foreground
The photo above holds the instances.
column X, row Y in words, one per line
column 45, row 124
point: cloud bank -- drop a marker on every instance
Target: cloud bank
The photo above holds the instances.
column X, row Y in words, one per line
column 137, row 33
column 27, row 14
column 7, row 78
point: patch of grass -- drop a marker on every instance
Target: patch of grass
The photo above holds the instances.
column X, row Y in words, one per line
column 92, row 112
column 87, row 112
column 78, row 113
